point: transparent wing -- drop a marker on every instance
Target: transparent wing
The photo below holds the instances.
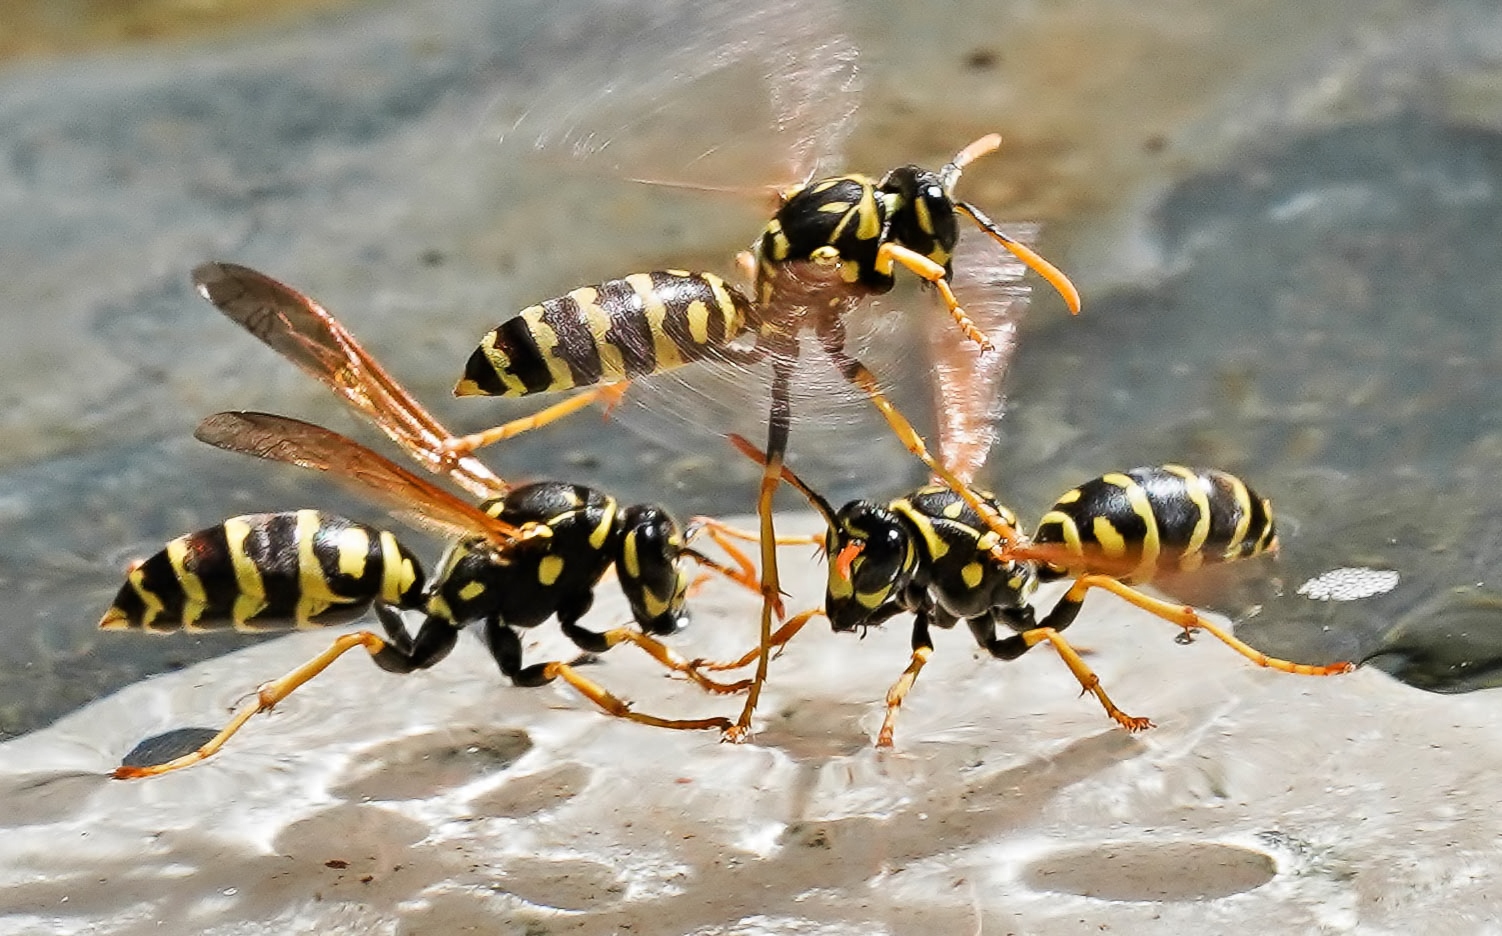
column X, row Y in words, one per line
column 412, row 499
column 691, row 407
column 303, row 332
column 717, row 94
column 736, row 96
column 905, row 338
column 966, row 381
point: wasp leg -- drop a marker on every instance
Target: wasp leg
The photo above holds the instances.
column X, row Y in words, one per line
column 1182, row 615
column 610, row 394
column 778, row 639
column 861, row 376
column 722, row 532
column 399, row 654
column 779, row 424
column 1011, row 648
column 891, row 251
column 745, row 573
column 923, row 648
column 506, row 647
column 745, row 576
column 595, row 642
column 670, row 659
column 1050, row 273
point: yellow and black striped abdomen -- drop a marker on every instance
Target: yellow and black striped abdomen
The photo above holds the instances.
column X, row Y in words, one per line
column 641, row 324
column 271, row 569
column 1148, row 520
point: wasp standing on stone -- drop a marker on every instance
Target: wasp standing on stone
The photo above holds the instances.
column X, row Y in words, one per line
column 524, row 555
column 831, row 243
column 931, row 554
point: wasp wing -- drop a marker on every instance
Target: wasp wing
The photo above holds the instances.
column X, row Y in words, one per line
column 713, row 94
column 834, row 424
column 410, row 498
column 690, row 406
column 303, row 332
column 968, row 402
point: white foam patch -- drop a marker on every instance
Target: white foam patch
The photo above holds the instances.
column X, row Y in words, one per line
column 1349, row 584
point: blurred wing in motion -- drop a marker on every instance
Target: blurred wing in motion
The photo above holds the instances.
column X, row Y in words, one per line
column 718, row 94
column 686, row 408
column 967, row 381
column 414, row 500
column 303, row 332
column 834, row 423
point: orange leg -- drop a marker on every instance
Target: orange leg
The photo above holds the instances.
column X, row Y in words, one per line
column 1084, row 674
column 745, row 574
column 266, row 697
column 620, row 709
column 779, row 425
column 669, row 658
column 899, row 691
column 609, row 395
column 771, row 586
column 1187, row 618
column 720, row 532
column 891, row 252
column 777, row 641
column 858, row 374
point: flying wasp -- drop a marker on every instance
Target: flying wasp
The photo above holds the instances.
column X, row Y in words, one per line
column 930, row 553
column 524, row 555
column 832, row 243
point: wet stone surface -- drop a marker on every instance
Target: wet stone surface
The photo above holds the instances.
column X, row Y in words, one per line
column 1261, row 800
column 1287, row 243
column 1154, row 871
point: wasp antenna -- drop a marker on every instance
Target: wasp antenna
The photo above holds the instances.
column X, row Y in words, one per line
column 986, row 145
column 1051, row 274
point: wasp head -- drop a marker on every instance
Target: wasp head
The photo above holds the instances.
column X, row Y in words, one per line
column 653, row 579
column 920, row 212
column 871, row 558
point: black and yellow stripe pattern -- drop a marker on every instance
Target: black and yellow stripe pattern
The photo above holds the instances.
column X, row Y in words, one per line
column 265, row 571
column 1165, row 518
column 621, row 329
column 534, row 579
column 921, row 213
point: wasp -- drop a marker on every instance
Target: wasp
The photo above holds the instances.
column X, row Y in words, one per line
column 524, row 555
column 831, row 243
column 930, row 554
